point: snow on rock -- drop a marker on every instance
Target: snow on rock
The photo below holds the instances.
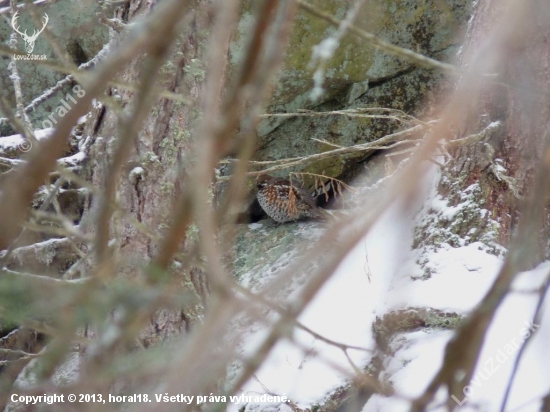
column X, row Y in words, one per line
column 65, row 374
column 72, row 161
column 303, row 370
column 136, row 174
column 10, row 145
column 460, row 278
column 419, row 356
column 307, row 369
column 46, row 251
column 384, row 275
column 441, row 224
column 456, row 279
column 268, row 407
column 16, row 145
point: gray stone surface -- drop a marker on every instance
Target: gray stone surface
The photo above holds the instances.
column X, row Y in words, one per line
column 357, row 76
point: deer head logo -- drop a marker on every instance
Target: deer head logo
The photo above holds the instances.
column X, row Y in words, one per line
column 29, row 40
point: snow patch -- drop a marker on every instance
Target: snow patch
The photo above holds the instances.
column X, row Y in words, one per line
column 135, row 173
column 303, row 369
column 14, row 141
column 460, row 278
column 72, row 161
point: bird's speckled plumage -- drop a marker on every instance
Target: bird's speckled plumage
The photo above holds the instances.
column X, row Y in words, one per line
column 284, row 201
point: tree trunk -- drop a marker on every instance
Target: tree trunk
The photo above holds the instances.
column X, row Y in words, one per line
column 152, row 176
column 497, row 178
column 506, row 122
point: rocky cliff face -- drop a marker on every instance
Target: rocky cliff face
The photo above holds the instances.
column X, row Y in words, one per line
column 359, row 78
column 406, row 285
column 357, row 75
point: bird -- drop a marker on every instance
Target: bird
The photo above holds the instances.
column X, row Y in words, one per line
column 285, row 200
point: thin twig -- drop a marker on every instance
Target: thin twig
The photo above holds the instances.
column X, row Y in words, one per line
column 406, row 54
column 536, row 320
column 293, row 161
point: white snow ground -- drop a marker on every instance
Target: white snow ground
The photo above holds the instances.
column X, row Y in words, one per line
column 17, row 140
column 375, row 279
column 347, row 306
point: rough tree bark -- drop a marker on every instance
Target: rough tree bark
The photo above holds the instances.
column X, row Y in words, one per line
column 495, row 166
column 152, row 176
column 499, row 172
column 507, row 126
